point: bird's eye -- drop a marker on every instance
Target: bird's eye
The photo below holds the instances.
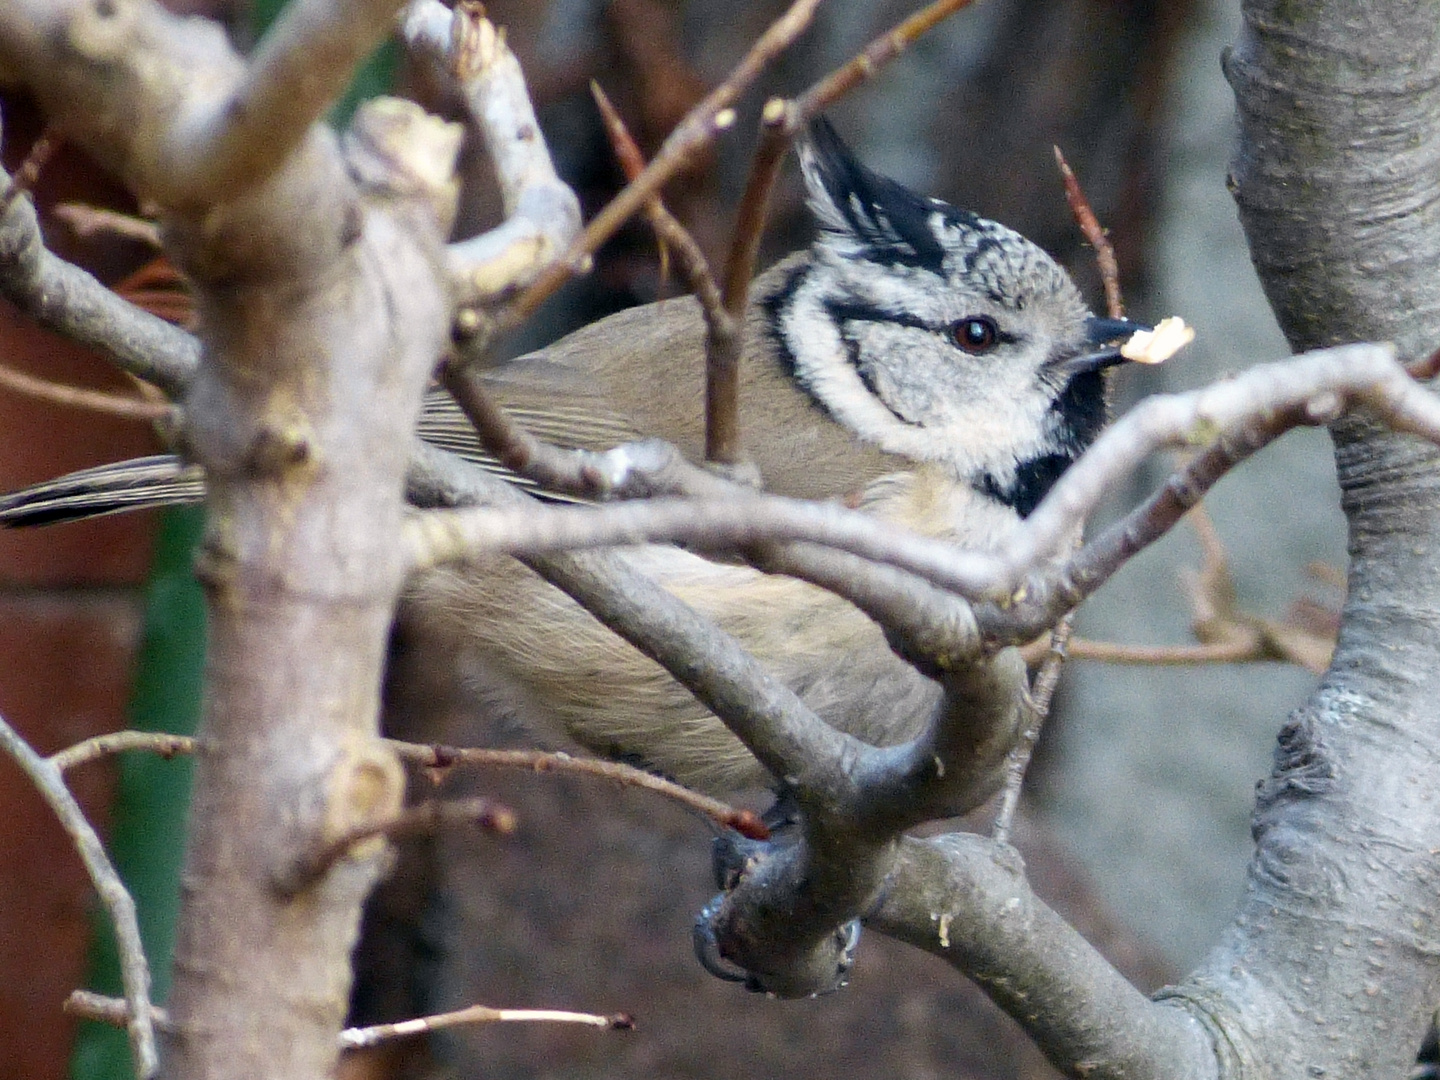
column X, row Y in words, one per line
column 976, row 334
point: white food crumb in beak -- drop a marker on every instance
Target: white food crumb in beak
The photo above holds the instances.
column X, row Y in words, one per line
column 1158, row 345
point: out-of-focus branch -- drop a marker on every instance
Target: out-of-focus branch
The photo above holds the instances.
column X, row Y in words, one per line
column 426, row 817
column 542, row 214
column 218, row 149
column 213, row 145
column 64, row 298
column 87, row 221
column 78, row 397
column 134, row 971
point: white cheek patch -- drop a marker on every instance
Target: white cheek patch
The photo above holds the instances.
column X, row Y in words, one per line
column 972, row 420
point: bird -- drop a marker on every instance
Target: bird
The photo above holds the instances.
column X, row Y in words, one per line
column 916, row 361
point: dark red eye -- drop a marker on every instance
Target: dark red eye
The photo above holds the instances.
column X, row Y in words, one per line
column 976, row 334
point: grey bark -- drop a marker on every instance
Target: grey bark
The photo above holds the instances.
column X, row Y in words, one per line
column 1329, row 969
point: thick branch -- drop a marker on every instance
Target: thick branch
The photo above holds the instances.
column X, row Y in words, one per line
column 965, row 900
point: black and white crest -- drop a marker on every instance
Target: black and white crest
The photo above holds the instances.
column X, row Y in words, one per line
column 895, row 225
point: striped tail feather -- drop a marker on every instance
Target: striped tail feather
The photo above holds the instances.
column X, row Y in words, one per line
column 162, row 480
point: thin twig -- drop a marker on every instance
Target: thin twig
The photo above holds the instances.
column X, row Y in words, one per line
column 745, row 822
column 680, row 150
column 1095, row 235
column 76, row 397
column 134, row 970
column 101, row 746
column 358, row 1038
column 870, row 59
column 431, row 756
column 1042, row 690
column 672, row 235
column 114, row 1011
column 724, row 315
column 1042, row 693
column 87, row 221
column 28, row 174
column 427, row 817
column 1237, row 651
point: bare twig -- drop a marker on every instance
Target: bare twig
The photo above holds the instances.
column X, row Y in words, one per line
column 358, row 1038
column 76, row 397
column 101, row 746
column 745, row 822
column 1042, row 690
column 110, row 1010
column 427, row 817
column 114, row 1011
column 679, row 151
column 28, row 173
column 724, row 316
column 875, row 55
column 87, row 221
column 672, row 235
column 1235, row 651
column 1042, row 693
column 134, row 971
column 1095, row 235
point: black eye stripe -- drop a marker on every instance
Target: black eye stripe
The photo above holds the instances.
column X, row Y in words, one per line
column 855, row 311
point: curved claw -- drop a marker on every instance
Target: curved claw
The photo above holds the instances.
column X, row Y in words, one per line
column 707, row 949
